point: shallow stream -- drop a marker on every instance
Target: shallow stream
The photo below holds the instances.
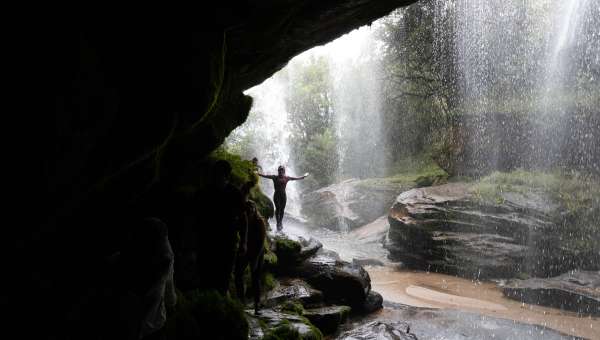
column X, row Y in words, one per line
column 428, row 290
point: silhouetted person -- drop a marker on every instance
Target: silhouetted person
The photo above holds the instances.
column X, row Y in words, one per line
column 255, row 251
column 279, row 197
column 222, row 216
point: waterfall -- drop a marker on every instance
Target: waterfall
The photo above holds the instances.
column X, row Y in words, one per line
column 556, row 79
column 266, row 135
column 518, row 64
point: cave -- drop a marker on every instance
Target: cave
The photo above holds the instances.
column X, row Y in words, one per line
column 138, row 102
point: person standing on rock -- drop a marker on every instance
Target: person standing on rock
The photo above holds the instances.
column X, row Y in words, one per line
column 279, row 198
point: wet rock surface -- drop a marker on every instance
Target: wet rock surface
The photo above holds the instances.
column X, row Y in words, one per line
column 447, row 229
column 377, row 330
column 577, row 291
column 295, row 290
column 373, row 303
column 329, row 318
column 350, row 202
column 340, row 281
column 424, row 323
column 292, row 251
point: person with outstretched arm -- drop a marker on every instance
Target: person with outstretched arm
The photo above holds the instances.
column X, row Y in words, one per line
column 279, row 198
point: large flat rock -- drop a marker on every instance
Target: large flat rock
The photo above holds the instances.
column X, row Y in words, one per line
column 448, row 229
column 577, row 291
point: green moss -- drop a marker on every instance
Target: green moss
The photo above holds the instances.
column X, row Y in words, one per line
column 283, row 332
column 198, row 313
column 572, row 192
column 315, row 332
column 242, row 171
column 577, row 198
column 287, row 251
column 263, row 203
column 268, row 282
column 294, row 307
column 409, row 173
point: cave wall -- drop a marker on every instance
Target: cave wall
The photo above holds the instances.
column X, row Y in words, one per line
column 137, row 98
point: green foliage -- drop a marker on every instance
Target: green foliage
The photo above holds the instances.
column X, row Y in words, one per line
column 321, row 157
column 201, row 313
column 311, row 120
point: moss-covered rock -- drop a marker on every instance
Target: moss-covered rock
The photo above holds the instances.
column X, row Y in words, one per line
column 293, row 307
column 287, row 251
column 242, row 171
column 502, row 226
column 284, row 325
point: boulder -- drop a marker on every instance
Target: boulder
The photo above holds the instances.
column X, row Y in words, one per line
column 373, row 303
column 291, row 250
column 449, row 229
column 309, row 247
column 577, row 291
column 375, row 231
column 349, row 204
column 329, row 318
column 376, row 330
column 293, row 289
column 340, row 281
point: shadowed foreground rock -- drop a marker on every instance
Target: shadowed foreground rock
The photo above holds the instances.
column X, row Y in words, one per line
column 327, row 319
column 577, row 291
column 273, row 319
column 340, row 281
